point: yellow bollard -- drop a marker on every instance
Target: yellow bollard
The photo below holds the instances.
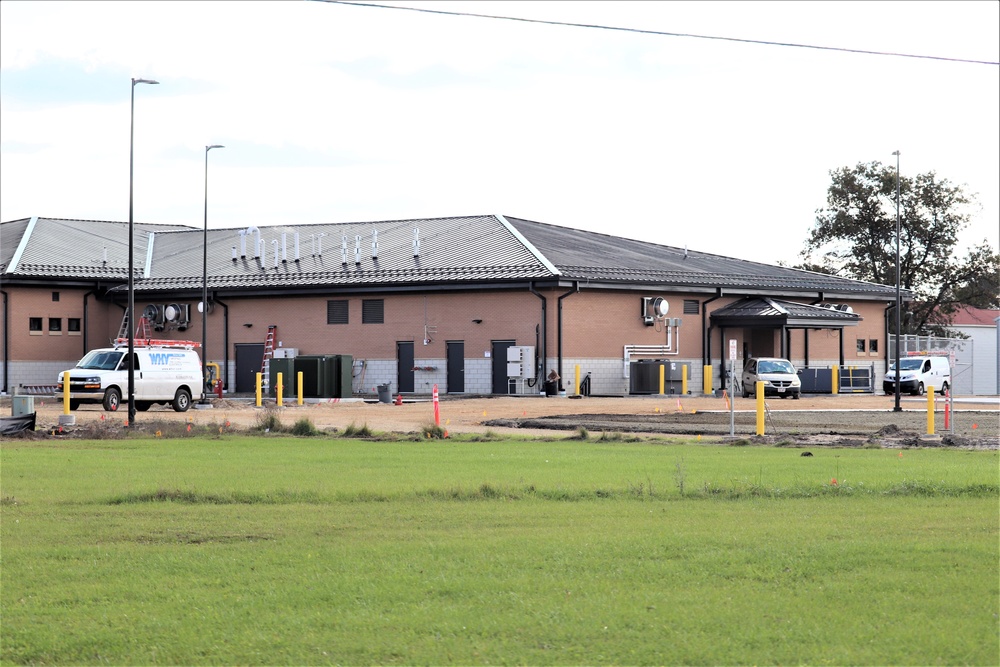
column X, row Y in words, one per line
column 299, row 392
column 836, row 379
column 759, row 393
column 930, row 410
column 662, row 372
column 259, row 383
column 576, row 380
column 684, row 379
column 66, row 393
column 707, row 380
column 279, row 390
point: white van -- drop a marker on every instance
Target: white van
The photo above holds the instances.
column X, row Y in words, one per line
column 917, row 374
column 165, row 372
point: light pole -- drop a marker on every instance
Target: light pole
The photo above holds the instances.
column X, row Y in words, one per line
column 131, row 260
column 899, row 306
column 204, row 287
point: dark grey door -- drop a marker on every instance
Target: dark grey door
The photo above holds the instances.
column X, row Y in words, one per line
column 499, row 355
column 248, row 359
column 456, row 366
column 404, row 360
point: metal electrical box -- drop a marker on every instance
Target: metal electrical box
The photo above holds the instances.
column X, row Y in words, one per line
column 644, row 376
column 521, row 361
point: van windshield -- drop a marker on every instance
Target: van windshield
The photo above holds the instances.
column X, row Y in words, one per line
column 776, row 366
column 101, row 360
column 908, row 365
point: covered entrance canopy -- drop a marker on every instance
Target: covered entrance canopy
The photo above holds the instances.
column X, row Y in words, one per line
column 766, row 313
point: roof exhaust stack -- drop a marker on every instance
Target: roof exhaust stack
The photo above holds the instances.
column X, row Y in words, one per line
column 297, row 247
column 234, row 253
column 274, row 246
column 416, row 242
column 357, row 249
column 243, row 244
column 343, row 249
column 374, row 244
column 284, row 247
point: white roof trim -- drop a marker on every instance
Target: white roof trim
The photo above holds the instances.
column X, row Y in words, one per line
column 22, row 245
column 527, row 244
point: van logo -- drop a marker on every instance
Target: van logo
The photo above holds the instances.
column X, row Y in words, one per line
column 162, row 358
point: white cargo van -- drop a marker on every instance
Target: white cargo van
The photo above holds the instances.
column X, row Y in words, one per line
column 917, row 374
column 165, row 372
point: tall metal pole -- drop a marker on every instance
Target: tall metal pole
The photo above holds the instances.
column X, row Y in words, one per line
column 204, row 286
column 899, row 305
column 131, row 259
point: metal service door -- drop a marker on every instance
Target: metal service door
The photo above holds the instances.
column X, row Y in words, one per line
column 404, row 361
column 499, row 354
column 248, row 359
column 456, row 366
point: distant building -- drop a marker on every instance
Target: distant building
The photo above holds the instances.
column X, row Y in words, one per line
column 424, row 302
column 980, row 325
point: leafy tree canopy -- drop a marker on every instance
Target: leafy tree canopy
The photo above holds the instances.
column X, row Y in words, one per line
column 855, row 237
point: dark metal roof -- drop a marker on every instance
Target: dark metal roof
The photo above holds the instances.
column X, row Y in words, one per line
column 464, row 250
column 73, row 249
column 592, row 256
column 771, row 313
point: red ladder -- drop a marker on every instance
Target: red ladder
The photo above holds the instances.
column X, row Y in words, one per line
column 265, row 364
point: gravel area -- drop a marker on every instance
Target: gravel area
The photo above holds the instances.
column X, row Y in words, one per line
column 848, row 420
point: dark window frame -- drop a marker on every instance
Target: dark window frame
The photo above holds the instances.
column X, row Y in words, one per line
column 57, row 322
column 73, row 325
column 35, row 324
column 373, row 311
column 338, row 311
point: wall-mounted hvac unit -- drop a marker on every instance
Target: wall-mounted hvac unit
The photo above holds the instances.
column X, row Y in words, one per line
column 654, row 308
column 286, row 353
column 177, row 315
column 154, row 315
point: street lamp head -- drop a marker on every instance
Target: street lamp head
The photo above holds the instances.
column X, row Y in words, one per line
column 896, row 153
column 208, row 148
column 135, row 81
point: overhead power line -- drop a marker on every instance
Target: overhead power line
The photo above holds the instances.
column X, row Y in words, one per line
column 662, row 32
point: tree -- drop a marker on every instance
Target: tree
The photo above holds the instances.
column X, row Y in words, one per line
column 855, row 237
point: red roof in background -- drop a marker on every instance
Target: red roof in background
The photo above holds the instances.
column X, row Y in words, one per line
column 968, row 315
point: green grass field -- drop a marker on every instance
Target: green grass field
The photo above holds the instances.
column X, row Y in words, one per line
column 280, row 550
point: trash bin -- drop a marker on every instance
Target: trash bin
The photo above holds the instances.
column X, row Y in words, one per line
column 384, row 396
column 551, row 388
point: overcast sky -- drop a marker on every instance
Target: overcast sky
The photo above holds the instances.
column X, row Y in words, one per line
column 337, row 113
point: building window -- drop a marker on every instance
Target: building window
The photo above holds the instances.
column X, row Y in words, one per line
column 55, row 325
column 861, row 345
column 873, row 345
column 55, row 296
column 35, row 324
column 691, row 306
column 73, row 324
column 336, row 312
column 372, row 311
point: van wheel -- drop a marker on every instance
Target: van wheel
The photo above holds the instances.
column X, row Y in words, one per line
column 182, row 400
column 944, row 389
column 142, row 406
column 919, row 390
column 112, row 399
column 796, row 396
column 74, row 404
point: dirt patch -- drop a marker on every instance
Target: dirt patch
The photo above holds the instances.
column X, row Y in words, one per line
column 851, row 420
